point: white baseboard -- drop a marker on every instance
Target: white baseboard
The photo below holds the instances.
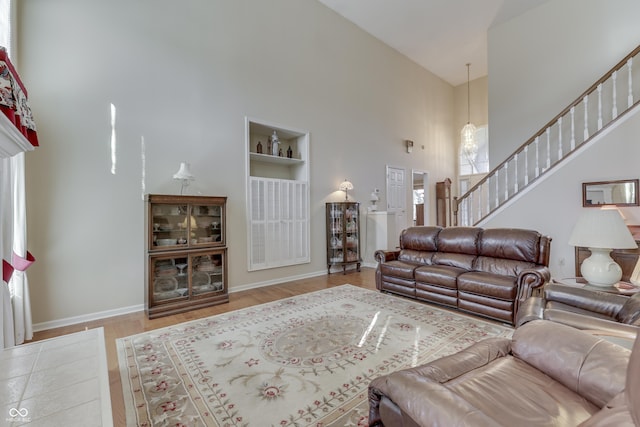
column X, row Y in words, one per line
column 52, row 324
column 256, row 285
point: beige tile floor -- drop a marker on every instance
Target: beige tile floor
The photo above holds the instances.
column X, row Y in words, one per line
column 62, row 381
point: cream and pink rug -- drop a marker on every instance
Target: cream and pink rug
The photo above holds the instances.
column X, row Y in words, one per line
column 301, row 361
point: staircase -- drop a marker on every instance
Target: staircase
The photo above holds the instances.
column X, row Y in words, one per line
column 605, row 102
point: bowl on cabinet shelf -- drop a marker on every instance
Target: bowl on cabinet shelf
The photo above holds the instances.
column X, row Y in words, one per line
column 166, row 242
column 204, row 221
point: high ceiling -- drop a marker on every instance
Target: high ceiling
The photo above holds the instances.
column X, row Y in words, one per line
column 440, row 35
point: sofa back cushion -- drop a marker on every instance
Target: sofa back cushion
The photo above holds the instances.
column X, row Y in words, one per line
column 590, row 366
column 504, row 267
column 457, row 247
column 510, row 243
column 420, row 238
column 415, row 257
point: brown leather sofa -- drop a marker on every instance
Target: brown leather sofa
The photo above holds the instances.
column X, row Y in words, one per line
column 487, row 272
column 548, row 374
column 583, row 309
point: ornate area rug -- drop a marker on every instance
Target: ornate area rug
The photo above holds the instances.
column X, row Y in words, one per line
column 301, row 361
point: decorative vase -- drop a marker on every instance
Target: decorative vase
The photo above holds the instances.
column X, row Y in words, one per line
column 275, row 143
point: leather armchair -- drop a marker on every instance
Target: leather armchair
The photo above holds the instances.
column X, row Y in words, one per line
column 548, row 374
column 583, row 309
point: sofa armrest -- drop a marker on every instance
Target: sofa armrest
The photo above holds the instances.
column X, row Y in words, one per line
column 590, row 366
column 385, row 256
column 473, row 357
column 530, row 279
column 531, row 309
column 418, row 402
column 419, row 394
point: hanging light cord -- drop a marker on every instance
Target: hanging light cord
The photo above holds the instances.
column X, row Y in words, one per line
column 468, row 96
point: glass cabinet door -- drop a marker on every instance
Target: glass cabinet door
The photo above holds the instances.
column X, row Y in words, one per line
column 335, row 244
column 169, row 226
column 207, row 273
column 206, row 225
column 169, row 277
column 352, row 235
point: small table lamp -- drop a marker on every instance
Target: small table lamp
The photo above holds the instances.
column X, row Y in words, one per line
column 601, row 230
column 346, row 186
column 184, row 174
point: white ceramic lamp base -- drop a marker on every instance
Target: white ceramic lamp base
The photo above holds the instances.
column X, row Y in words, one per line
column 600, row 269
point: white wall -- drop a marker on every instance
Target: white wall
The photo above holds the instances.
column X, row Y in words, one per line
column 183, row 74
column 541, row 61
column 538, row 64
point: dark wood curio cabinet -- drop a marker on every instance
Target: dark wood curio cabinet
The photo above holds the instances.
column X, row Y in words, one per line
column 186, row 251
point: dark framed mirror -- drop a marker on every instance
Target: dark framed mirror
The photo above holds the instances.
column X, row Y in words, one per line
column 619, row 193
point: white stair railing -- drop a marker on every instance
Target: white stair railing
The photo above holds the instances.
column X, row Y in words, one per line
column 557, row 140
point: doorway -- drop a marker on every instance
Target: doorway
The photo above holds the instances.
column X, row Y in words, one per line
column 420, row 196
column 397, row 196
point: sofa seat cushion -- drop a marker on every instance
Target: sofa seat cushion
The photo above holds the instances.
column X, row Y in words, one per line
column 501, row 266
column 488, row 284
column 398, row 268
column 491, row 389
column 483, row 396
column 440, row 275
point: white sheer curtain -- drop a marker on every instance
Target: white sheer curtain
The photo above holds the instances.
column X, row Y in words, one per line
column 7, row 333
column 19, row 285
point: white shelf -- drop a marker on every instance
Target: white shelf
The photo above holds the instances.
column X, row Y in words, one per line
column 266, row 158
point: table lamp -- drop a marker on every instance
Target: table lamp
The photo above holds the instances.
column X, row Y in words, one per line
column 601, row 230
column 184, row 175
column 346, row 186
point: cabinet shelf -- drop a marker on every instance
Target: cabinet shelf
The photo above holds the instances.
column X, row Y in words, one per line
column 267, row 158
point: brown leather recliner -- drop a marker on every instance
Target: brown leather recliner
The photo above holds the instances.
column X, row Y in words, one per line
column 583, row 309
column 548, row 374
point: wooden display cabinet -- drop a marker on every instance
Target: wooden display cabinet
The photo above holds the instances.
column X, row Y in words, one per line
column 186, row 253
column 343, row 235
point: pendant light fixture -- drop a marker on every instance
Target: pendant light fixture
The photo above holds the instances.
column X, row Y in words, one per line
column 468, row 133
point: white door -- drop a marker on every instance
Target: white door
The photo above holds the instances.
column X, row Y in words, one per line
column 397, row 196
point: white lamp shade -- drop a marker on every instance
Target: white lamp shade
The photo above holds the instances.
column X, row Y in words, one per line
column 602, row 228
column 346, row 185
column 184, row 172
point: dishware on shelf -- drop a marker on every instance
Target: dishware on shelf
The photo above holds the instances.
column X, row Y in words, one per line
column 204, row 221
column 166, row 295
column 165, row 284
column 203, row 288
column 181, row 266
column 200, row 278
column 166, row 242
